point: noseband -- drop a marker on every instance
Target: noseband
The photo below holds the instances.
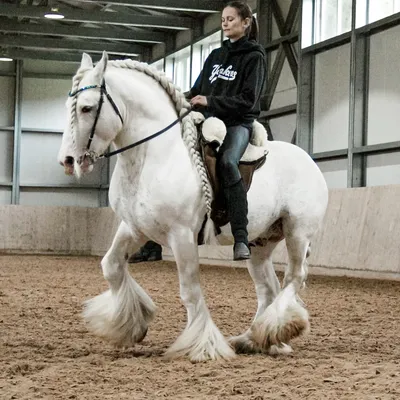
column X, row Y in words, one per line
column 92, row 155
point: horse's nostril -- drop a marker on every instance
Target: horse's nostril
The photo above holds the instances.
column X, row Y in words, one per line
column 69, row 160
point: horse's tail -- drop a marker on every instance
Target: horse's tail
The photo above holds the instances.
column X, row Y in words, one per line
column 209, row 232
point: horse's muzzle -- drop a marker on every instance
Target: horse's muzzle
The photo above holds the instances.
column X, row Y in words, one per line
column 68, row 165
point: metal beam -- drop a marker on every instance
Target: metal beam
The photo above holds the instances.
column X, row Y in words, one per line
column 80, row 32
column 378, row 148
column 20, row 54
column 273, row 79
column 17, row 134
column 356, row 167
column 305, row 103
column 328, row 44
column 75, row 45
column 100, row 17
column 274, row 44
column 329, row 155
column 264, row 17
column 184, row 5
column 285, row 28
column 279, row 112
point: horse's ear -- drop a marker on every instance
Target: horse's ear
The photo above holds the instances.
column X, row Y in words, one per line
column 86, row 61
column 101, row 66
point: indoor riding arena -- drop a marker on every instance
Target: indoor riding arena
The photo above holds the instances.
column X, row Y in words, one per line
column 331, row 88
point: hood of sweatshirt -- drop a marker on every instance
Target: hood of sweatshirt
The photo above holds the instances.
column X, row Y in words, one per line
column 242, row 46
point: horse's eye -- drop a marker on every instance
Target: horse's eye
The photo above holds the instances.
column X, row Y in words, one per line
column 86, row 109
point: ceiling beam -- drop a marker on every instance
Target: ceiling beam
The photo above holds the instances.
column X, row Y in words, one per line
column 100, row 17
column 63, row 44
column 20, row 54
column 87, row 33
column 183, row 5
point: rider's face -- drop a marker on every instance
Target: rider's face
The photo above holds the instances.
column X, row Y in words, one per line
column 233, row 25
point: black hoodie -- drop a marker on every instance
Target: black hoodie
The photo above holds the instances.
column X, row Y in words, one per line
column 232, row 80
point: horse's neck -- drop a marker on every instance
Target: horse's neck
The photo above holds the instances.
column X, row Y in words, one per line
column 147, row 109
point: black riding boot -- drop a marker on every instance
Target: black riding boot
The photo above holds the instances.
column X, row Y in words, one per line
column 151, row 251
column 236, row 203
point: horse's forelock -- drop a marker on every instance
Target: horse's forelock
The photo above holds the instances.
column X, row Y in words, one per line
column 77, row 78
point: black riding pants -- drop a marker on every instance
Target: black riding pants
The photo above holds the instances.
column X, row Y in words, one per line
column 231, row 151
column 229, row 155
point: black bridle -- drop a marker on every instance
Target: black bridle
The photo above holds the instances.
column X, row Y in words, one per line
column 93, row 156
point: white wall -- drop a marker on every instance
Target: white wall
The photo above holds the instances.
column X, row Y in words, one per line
column 43, row 103
column 283, row 128
column 45, row 86
column 286, row 89
column 384, row 87
column 7, row 85
column 6, row 146
column 59, row 197
column 331, row 108
column 5, row 195
column 331, row 101
column 359, row 236
column 335, row 172
column 383, row 169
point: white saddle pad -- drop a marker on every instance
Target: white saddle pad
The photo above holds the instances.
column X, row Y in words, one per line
column 215, row 130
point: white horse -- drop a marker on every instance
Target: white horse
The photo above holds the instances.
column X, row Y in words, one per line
column 160, row 191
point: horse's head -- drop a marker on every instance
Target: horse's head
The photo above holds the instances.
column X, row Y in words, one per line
column 93, row 119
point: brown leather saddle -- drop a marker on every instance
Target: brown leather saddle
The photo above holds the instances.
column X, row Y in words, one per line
column 209, row 152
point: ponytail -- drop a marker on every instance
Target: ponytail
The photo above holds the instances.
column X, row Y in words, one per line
column 252, row 30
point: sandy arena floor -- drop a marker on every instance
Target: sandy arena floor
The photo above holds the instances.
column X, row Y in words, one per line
column 352, row 352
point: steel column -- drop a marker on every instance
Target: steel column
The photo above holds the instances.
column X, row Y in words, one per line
column 305, row 102
column 17, row 133
column 357, row 105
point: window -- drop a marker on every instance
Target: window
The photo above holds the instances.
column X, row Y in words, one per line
column 324, row 19
column 332, row 18
column 158, row 65
column 182, row 69
column 372, row 10
column 178, row 68
column 201, row 51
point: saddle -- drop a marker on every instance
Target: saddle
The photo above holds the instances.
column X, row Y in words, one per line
column 211, row 135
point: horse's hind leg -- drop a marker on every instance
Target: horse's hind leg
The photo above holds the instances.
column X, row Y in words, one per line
column 201, row 340
column 267, row 287
column 122, row 313
column 297, row 269
column 286, row 318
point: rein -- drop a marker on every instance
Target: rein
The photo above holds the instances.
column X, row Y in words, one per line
column 103, row 91
column 146, row 139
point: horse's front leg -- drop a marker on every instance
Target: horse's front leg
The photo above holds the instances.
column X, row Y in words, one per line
column 201, row 340
column 122, row 313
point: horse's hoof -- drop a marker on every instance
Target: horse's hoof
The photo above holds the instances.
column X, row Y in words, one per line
column 143, row 336
column 243, row 344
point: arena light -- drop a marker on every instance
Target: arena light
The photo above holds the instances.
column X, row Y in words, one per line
column 54, row 14
column 4, row 56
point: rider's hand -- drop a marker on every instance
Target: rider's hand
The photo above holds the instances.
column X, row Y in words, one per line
column 199, row 101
